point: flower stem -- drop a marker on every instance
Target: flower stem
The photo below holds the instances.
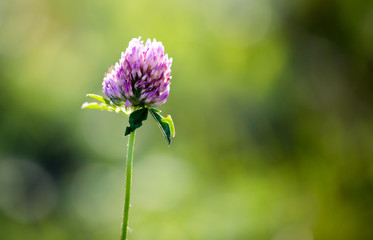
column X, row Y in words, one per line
column 129, row 164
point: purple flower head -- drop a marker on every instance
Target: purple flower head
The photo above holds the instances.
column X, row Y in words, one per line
column 142, row 76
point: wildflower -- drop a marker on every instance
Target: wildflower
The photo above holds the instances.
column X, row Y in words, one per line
column 140, row 81
column 136, row 84
column 142, row 76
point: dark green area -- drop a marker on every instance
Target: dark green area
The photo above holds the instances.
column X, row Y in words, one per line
column 135, row 120
column 165, row 125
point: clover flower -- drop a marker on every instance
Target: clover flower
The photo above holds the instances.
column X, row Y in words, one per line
column 142, row 76
column 135, row 85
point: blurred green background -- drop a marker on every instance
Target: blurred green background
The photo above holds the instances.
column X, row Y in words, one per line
column 272, row 102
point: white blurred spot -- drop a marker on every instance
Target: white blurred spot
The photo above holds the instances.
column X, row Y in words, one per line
column 27, row 192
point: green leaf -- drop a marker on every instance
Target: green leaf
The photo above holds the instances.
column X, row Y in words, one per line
column 168, row 120
column 106, row 105
column 136, row 118
column 99, row 106
column 99, row 98
column 165, row 124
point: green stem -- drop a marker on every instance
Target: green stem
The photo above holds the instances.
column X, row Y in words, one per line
column 129, row 164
